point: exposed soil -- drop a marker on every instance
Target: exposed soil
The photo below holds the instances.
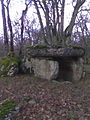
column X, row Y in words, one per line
column 44, row 100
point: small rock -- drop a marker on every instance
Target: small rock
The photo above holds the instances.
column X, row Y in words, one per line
column 32, row 102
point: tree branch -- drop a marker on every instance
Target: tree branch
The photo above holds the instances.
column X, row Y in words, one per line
column 68, row 30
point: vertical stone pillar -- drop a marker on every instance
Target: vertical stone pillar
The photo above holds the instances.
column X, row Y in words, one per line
column 44, row 68
column 77, row 67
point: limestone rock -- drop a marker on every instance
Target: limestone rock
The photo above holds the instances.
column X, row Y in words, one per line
column 46, row 69
column 77, row 69
column 13, row 70
column 26, row 66
column 9, row 65
column 56, row 52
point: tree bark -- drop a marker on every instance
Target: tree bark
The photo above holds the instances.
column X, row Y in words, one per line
column 10, row 28
column 53, row 11
column 24, row 12
column 62, row 16
column 5, row 28
column 68, row 30
column 40, row 21
column 48, row 22
column 62, row 22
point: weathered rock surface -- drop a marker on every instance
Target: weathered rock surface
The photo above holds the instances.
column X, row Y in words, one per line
column 71, row 69
column 78, row 69
column 46, row 69
column 67, row 70
column 13, row 70
column 56, row 52
column 25, row 66
column 9, row 65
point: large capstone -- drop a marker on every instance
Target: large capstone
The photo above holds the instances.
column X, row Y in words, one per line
column 44, row 68
column 56, row 52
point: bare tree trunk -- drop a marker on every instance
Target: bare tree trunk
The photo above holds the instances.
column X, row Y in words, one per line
column 54, row 21
column 22, row 30
column 53, row 11
column 5, row 28
column 58, row 22
column 10, row 28
column 24, row 12
column 62, row 22
column 40, row 21
column 57, row 13
column 68, row 30
column 62, row 16
column 48, row 23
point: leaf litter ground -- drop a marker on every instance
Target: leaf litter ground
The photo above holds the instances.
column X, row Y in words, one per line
column 44, row 100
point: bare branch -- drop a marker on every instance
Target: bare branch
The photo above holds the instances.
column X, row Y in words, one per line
column 74, row 15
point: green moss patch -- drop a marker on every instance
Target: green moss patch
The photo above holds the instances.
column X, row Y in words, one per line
column 7, row 62
column 40, row 46
column 37, row 46
column 6, row 108
column 77, row 47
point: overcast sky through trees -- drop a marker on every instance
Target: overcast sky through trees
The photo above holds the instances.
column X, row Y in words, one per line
column 17, row 6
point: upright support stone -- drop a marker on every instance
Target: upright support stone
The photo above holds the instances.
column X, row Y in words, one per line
column 78, row 69
column 44, row 68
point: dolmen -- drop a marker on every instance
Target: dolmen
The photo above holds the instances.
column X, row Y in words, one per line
column 57, row 63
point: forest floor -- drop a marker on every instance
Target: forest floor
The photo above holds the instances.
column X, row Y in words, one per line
column 43, row 100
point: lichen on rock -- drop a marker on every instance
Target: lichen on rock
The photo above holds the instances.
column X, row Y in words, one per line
column 9, row 65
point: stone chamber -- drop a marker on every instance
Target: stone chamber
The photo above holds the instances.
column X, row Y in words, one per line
column 57, row 63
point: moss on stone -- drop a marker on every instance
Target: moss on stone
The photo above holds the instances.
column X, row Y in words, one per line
column 7, row 62
column 38, row 46
column 76, row 47
column 57, row 46
column 3, row 74
column 30, row 47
